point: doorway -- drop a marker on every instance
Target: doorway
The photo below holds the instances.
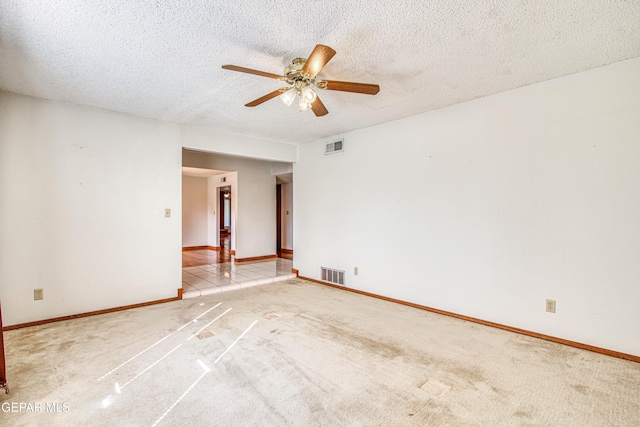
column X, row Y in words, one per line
column 207, row 216
column 284, row 216
column 279, row 220
column 224, row 216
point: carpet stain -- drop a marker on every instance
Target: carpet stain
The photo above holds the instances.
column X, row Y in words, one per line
column 545, row 350
column 435, row 387
column 580, row 388
column 353, row 339
column 271, row 315
column 523, row 414
column 469, row 374
column 206, row 334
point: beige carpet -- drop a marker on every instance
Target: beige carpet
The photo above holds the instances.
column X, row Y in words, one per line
column 300, row 354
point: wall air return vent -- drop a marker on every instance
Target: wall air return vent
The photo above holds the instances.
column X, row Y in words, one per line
column 334, row 147
column 332, row 276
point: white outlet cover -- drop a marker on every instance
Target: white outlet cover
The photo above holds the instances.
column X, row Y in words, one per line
column 551, row 306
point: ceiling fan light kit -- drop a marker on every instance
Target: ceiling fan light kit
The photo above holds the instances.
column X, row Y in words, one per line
column 302, row 76
column 303, row 106
column 288, row 96
column 308, row 95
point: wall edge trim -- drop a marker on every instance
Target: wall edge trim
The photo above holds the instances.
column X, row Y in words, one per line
column 198, row 248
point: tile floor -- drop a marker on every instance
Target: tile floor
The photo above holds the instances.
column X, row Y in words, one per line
column 211, row 278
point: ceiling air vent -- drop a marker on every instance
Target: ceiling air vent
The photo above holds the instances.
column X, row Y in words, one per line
column 334, row 147
column 333, row 276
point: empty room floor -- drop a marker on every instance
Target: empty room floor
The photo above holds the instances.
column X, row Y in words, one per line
column 297, row 353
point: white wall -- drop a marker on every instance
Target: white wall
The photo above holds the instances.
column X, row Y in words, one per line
column 194, row 211
column 200, row 138
column 254, row 201
column 488, row 208
column 82, row 199
column 287, row 215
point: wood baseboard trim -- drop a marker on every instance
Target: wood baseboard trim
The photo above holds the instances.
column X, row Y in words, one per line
column 199, row 248
column 563, row 341
column 232, row 252
column 294, row 271
column 93, row 313
column 256, row 258
column 287, row 251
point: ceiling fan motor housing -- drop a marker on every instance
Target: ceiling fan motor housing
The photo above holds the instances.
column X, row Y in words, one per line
column 293, row 73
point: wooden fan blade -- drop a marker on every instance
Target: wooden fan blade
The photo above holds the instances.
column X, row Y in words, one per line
column 250, row 71
column 365, row 88
column 264, row 98
column 317, row 60
column 318, row 108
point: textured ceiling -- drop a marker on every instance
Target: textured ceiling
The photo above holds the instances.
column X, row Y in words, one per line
column 162, row 59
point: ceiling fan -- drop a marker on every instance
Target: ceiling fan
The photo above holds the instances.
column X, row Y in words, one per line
column 301, row 75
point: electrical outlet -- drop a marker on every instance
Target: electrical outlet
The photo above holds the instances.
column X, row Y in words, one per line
column 355, row 271
column 167, row 213
column 551, row 305
column 38, row 294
